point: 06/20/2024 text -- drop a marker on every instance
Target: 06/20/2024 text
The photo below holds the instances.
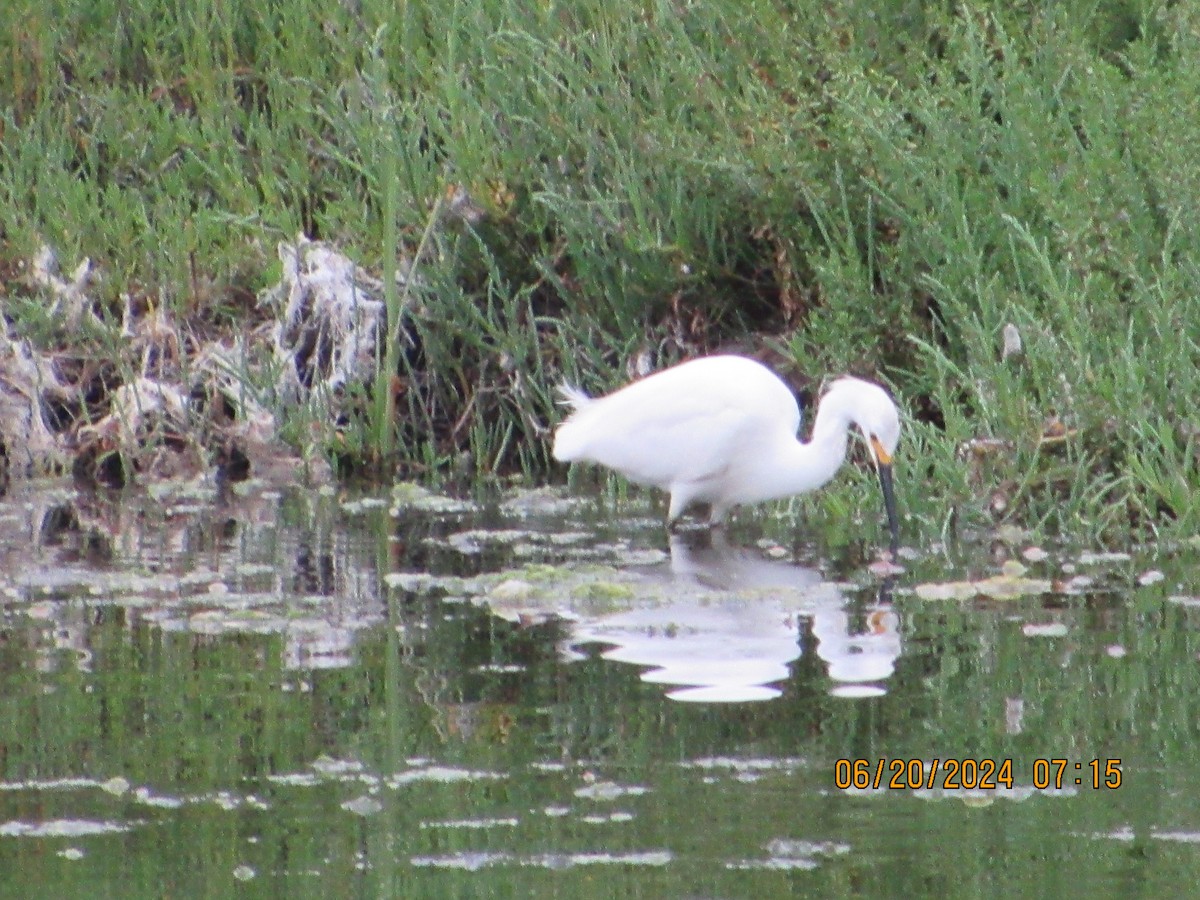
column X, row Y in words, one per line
column 972, row 774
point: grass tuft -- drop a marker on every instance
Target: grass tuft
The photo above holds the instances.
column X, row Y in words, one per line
column 882, row 188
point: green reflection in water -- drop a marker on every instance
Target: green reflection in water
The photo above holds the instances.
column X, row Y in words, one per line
column 231, row 701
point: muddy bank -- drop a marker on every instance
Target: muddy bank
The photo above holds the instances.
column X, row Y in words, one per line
column 152, row 397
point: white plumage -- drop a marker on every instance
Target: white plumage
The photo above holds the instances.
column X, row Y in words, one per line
column 722, row 430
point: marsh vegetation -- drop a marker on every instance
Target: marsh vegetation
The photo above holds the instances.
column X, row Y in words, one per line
column 990, row 207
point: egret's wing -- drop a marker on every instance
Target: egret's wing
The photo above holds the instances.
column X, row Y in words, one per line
column 688, row 439
column 683, row 424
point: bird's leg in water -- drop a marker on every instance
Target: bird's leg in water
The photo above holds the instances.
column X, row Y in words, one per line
column 701, row 513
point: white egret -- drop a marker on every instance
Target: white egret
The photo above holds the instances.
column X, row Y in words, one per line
column 722, row 430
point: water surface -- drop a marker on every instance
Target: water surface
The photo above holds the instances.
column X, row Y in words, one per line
column 313, row 694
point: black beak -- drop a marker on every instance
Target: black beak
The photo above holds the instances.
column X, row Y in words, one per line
column 883, row 462
column 889, row 504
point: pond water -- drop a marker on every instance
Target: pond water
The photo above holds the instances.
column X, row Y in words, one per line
column 309, row 694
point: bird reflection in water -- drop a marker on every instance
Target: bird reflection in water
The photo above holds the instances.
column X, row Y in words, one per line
column 720, row 623
column 858, row 660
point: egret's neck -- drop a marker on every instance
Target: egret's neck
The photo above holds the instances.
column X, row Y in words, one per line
column 797, row 467
column 790, row 466
column 815, row 463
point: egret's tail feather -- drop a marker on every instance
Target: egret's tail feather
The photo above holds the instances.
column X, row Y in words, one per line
column 571, row 396
column 568, row 438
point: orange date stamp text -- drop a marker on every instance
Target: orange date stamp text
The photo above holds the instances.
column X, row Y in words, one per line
column 968, row 773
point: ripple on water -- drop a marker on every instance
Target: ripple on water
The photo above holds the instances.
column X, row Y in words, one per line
column 857, row 691
column 441, row 774
column 363, row 806
column 469, row 824
column 615, row 817
column 65, row 828
column 784, row 854
column 738, row 765
column 1178, row 837
column 411, row 497
column 724, row 693
column 58, row 784
column 473, row 861
column 470, row 861
column 610, row 790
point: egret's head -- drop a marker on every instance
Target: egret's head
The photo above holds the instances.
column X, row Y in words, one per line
column 883, row 431
column 869, row 407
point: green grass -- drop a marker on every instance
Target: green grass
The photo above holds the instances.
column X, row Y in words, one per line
column 873, row 187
